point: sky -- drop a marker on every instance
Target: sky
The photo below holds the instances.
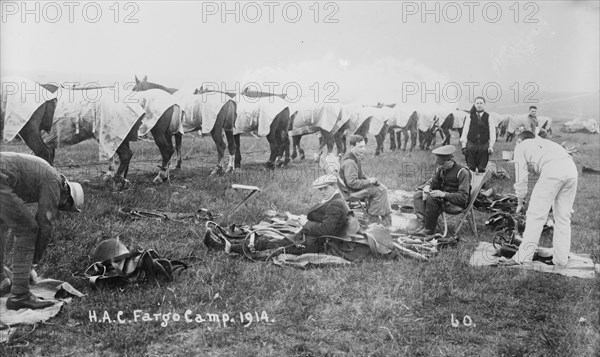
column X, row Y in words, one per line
column 347, row 51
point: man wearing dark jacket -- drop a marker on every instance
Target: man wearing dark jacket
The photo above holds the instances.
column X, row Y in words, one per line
column 30, row 179
column 478, row 137
column 361, row 186
column 447, row 190
column 327, row 218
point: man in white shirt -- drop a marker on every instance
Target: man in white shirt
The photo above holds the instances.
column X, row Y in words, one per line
column 555, row 188
column 478, row 137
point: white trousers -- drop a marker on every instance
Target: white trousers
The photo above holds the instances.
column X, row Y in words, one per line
column 556, row 189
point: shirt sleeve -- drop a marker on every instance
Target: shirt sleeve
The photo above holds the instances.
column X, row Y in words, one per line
column 465, row 132
column 492, row 134
column 521, row 172
column 461, row 197
column 351, row 175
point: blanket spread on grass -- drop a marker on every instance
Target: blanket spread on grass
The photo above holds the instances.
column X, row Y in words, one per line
column 20, row 98
column 579, row 265
column 312, row 117
column 200, row 111
column 257, row 114
column 155, row 103
column 94, row 113
column 48, row 289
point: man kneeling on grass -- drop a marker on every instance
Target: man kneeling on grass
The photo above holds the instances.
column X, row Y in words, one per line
column 446, row 191
column 327, row 218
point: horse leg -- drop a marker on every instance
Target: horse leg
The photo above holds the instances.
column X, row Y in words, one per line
column 413, row 139
column 33, row 138
column 238, row 154
column 231, row 147
column 295, row 145
column 178, row 139
column 284, row 148
column 165, row 146
column 125, row 155
column 392, row 135
column 217, row 137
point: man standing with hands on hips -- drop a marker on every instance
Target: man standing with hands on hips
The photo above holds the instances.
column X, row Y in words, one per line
column 478, row 137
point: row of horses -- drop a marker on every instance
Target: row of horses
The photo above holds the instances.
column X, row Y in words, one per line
column 167, row 112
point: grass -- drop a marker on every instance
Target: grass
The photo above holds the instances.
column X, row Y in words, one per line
column 372, row 308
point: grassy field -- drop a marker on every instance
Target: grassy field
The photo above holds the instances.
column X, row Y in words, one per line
column 374, row 308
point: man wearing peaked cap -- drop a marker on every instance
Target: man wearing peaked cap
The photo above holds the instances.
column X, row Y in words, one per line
column 329, row 217
column 446, row 191
column 30, row 179
column 444, row 153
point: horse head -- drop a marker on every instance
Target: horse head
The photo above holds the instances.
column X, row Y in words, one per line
column 145, row 85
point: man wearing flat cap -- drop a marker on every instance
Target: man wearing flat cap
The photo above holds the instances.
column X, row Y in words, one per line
column 329, row 217
column 447, row 190
column 30, row 179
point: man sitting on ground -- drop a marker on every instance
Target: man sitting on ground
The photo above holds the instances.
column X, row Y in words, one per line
column 327, row 218
column 364, row 187
column 446, row 191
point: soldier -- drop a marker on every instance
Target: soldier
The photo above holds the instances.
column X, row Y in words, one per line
column 29, row 179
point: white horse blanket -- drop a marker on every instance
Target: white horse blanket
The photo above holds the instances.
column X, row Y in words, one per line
column 427, row 119
column 356, row 116
column 257, row 114
column 583, row 125
column 312, row 117
column 20, row 98
column 155, row 103
column 88, row 113
column 400, row 117
column 200, row 111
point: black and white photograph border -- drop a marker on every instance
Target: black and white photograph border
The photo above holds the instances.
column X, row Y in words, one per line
column 157, row 198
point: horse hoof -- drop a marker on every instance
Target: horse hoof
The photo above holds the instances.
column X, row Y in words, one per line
column 158, row 180
column 302, row 157
column 217, row 171
column 294, row 155
column 229, row 169
column 270, row 166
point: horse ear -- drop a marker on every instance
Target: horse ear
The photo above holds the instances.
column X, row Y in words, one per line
column 145, row 79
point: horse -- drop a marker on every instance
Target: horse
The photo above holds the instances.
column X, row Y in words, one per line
column 224, row 123
column 40, row 119
column 308, row 117
column 397, row 128
column 258, row 114
column 77, row 118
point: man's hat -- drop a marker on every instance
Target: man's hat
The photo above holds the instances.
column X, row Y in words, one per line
column 324, row 181
column 444, row 153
